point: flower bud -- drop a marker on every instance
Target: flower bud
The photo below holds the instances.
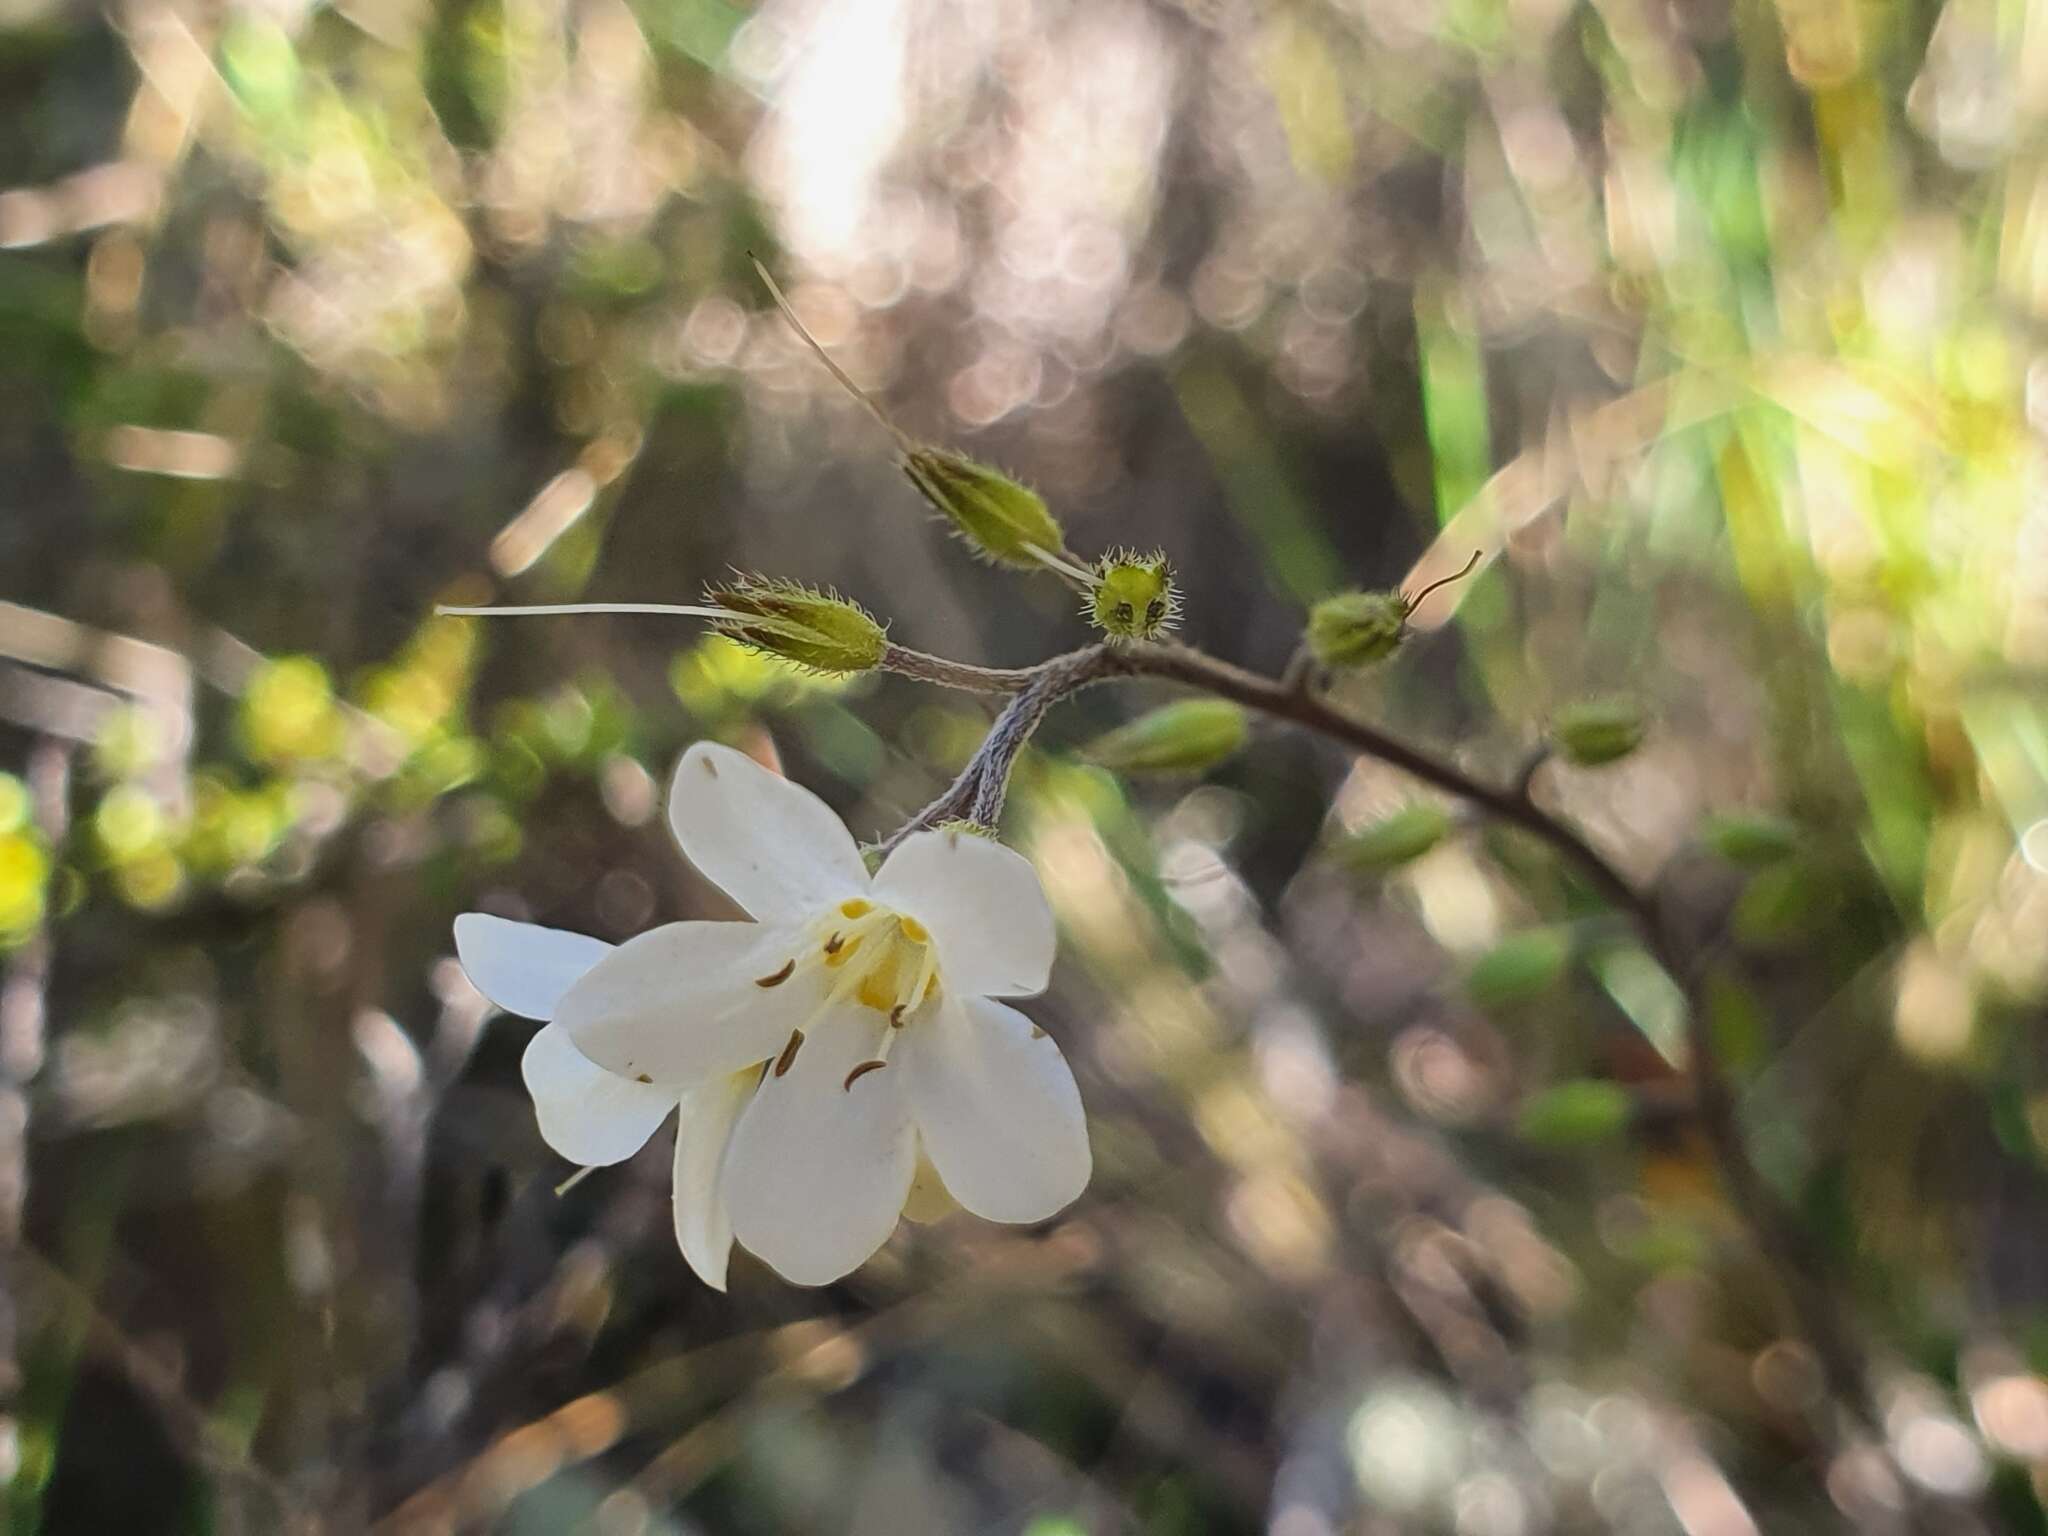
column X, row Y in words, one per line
column 1357, row 629
column 1134, row 596
column 1004, row 521
column 821, row 631
column 1186, row 737
column 1575, row 1114
column 1597, row 731
column 1395, row 840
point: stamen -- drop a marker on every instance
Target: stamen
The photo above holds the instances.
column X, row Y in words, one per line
column 862, row 1071
column 1037, row 1033
column 788, row 970
column 835, row 943
column 573, row 1180
column 788, row 1057
column 896, row 1016
column 644, row 1080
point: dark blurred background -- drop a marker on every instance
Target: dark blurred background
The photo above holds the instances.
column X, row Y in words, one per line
column 1717, row 328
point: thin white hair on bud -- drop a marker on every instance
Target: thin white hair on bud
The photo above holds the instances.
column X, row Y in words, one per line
column 543, row 609
column 1085, row 579
column 903, row 439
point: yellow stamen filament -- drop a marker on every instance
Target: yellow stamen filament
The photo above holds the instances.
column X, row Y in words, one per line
column 787, row 971
column 573, row 1180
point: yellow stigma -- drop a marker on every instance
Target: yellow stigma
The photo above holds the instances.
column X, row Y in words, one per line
column 857, row 907
column 913, row 930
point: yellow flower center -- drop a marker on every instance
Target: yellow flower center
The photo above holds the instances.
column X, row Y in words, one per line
column 872, row 956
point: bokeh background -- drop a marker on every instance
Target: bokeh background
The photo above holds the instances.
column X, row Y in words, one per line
column 1718, row 325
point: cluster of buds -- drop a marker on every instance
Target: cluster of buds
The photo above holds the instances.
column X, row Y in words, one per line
column 1127, row 596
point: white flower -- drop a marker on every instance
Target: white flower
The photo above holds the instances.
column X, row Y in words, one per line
column 843, row 1044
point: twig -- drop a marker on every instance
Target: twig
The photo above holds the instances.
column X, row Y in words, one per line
column 1773, row 1227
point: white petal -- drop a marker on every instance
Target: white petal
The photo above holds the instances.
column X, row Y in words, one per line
column 997, row 1109
column 818, row 1171
column 929, row 1199
column 590, row 1116
column 522, row 967
column 703, row 1133
column 684, row 1003
column 772, row 846
column 982, row 903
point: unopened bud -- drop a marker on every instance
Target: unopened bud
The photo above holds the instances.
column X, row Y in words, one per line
column 1397, row 839
column 1186, row 737
column 1003, row 521
column 1357, row 629
column 1134, row 596
column 1597, row 731
column 818, row 630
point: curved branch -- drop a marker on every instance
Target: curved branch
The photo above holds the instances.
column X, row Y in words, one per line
column 1773, row 1226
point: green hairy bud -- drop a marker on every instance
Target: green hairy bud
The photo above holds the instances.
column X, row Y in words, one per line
column 1186, row 737
column 1004, row 521
column 1357, row 629
column 1597, row 731
column 818, row 630
column 1134, row 596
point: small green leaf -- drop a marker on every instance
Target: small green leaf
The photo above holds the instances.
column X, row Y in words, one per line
column 1184, row 737
column 1575, row 1114
column 1395, row 840
column 1519, row 969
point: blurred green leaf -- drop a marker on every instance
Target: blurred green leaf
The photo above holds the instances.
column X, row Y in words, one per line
column 1519, row 969
column 1187, row 736
column 1575, row 1114
column 1751, row 840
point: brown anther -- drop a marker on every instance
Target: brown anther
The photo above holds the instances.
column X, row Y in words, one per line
column 896, row 1016
column 709, row 766
column 644, row 1078
column 788, row 970
column 836, row 943
column 788, row 1057
column 862, row 1071
column 1037, row 1033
